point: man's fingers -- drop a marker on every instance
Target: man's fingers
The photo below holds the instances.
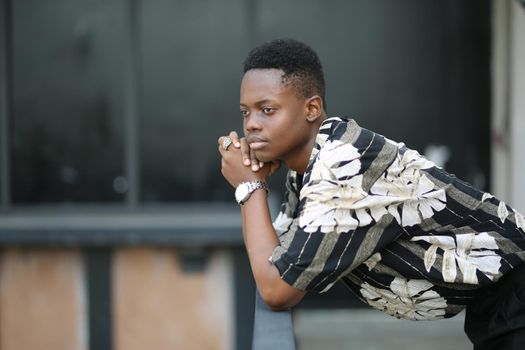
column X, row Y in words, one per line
column 227, row 141
column 221, row 140
column 221, row 149
column 235, row 139
column 245, row 151
column 254, row 161
column 248, row 156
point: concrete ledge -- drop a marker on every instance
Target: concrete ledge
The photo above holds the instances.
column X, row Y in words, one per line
column 193, row 225
column 272, row 329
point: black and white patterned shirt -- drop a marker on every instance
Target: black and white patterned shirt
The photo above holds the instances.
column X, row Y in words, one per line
column 404, row 235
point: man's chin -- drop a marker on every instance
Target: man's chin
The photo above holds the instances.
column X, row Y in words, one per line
column 263, row 157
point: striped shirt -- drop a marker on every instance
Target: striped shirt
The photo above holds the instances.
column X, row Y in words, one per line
column 407, row 237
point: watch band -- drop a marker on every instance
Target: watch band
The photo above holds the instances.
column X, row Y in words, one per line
column 255, row 185
column 251, row 186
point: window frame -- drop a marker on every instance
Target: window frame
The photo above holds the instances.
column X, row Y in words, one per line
column 4, row 106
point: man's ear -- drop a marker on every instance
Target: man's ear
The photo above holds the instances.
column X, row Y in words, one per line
column 314, row 108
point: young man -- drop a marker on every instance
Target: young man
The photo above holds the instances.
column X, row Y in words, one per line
column 404, row 235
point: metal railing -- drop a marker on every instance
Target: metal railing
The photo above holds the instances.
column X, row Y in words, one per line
column 272, row 329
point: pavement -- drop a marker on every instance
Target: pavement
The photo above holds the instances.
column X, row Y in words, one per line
column 368, row 329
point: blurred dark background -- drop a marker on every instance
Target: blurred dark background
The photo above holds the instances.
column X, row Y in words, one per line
column 110, row 112
column 114, row 101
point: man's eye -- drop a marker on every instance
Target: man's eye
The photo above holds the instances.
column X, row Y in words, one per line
column 244, row 113
column 268, row 110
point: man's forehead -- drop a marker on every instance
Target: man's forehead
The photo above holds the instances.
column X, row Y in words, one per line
column 263, row 83
column 266, row 76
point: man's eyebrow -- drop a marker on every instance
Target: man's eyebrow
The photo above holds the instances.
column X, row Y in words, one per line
column 265, row 101
column 259, row 103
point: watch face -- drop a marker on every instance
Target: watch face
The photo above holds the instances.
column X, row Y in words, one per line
column 241, row 192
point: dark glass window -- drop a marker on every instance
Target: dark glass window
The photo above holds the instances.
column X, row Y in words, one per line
column 83, row 75
column 415, row 71
column 66, row 121
column 191, row 56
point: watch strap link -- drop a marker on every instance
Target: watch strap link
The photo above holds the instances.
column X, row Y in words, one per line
column 252, row 187
column 255, row 185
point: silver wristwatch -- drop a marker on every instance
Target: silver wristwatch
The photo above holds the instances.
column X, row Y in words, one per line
column 245, row 190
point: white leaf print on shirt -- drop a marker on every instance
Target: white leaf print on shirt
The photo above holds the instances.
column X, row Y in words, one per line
column 470, row 252
column 405, row 186
column 372, row 261
column 520, row 221
column 486, row 196
column 406, row 299
column 502, row 211
column 282, row 223
column 333, row 189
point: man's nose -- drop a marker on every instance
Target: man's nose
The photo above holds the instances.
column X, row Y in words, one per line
column 252, row 123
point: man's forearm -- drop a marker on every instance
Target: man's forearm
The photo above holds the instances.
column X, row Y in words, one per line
column 260, row 240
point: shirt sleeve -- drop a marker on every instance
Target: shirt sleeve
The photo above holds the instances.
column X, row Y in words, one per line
column 338, row 223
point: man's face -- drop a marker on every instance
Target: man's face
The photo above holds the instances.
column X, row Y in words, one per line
column 274, row 116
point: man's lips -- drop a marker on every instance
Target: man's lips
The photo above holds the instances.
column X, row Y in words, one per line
column 257, row 145
column 256, row 142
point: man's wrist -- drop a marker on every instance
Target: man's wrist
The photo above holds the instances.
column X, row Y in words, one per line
column 245, row 189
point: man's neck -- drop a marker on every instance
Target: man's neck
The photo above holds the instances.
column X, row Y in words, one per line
column 299, row 161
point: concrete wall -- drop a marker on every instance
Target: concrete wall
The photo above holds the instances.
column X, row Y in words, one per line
column 42, row 300
column 517, row 104
column 156, row 305
column 159, row 306
column 508, row 102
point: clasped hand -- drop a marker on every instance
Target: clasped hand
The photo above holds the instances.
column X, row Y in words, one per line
column 239, row 163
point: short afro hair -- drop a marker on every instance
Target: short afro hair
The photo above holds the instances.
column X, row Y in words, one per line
column 299, row 62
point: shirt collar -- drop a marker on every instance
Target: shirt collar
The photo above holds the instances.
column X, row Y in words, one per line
column 322, row 135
